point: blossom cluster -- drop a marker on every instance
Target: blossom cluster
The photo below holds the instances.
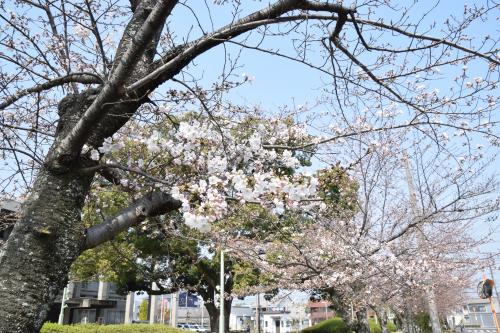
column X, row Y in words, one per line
column 210, row 165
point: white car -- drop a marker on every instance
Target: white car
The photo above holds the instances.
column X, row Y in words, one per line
column 200, row 328
column 190, row 327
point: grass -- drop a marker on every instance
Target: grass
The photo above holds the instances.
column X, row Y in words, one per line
column 94, row 328
column 337, row 325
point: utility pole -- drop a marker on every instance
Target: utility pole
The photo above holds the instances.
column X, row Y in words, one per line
column 129, row 307
column 221, row 299
column 429, row 291
column 202, row 310
column 152, row 305
column 173, row 313
column 162, row 309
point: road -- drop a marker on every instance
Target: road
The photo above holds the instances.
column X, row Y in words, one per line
column 480, row 330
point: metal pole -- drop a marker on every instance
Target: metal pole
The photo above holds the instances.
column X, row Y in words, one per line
column 171, row 310
column 174, row 309
column 63, row 304
column 258, row 312
column 221, row 300
column 495, row 319
column 162, row 309
column 202, row 310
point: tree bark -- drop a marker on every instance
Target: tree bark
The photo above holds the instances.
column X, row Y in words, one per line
column 213, row 313
column 382, row 318
column 433, row 311
column 362, row 325
column 35, row 261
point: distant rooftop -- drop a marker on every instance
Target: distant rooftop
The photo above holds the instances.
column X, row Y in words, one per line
column 274, row 312
column 318, row 304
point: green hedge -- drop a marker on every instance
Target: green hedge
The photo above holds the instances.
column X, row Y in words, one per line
column 332, row 325
column 94, row 328
column 376, row 328
column 337, row 325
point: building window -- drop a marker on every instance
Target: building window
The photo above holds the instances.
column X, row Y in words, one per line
column 265, row 323
column 477, row 308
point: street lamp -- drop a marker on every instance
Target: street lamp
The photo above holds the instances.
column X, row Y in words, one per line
column 257, row 310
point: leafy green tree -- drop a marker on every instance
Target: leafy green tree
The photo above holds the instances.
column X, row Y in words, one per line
column 174, row 258
column 143, row 310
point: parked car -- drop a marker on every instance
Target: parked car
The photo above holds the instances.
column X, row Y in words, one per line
column 200, row 328
column 192, row 327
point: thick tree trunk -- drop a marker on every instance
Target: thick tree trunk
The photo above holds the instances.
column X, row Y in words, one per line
column 355, row 321
column 35, row 261
column 382, row 318
column 433, row 311
column 408, row 322
column 383, row 321
column 362, row 325
column 213, row 313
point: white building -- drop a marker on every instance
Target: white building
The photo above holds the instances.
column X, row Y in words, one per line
column 241, row 317
column 91, row 302
column 276, row 321
column 478, row 312
column 475, row 313
column 284, row 313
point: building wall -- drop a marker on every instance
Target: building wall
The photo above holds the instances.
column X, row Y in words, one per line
column 319, row 311
column 483, row 319
column 87, row 292
column 478, row 312
column 241, row 318
column 277, row 323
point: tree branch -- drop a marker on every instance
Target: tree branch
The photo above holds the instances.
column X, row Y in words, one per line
column 436, row 40
column 113, row 89
column 86, row 78
column 170, row 65
column 152, row 204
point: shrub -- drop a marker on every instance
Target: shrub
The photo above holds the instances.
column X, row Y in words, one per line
column 337, row 325
column 94, row 328
column 376, row 328
column 332, row 325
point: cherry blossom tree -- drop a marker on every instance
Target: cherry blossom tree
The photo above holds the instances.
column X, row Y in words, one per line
column 80, row 77
column 389, row 247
